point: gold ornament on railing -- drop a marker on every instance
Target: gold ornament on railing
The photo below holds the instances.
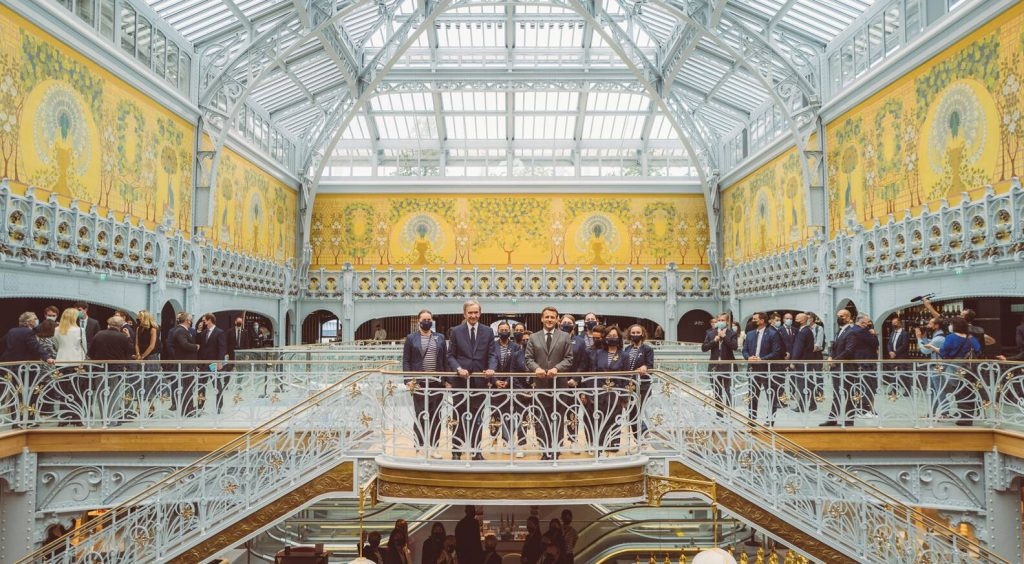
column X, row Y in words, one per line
column 760, row 555
column 744, row 559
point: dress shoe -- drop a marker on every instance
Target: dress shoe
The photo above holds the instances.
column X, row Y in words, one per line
column 456, row 457
column 829, row 423
column 545, row 456
column 478, row 456
column 965, row 423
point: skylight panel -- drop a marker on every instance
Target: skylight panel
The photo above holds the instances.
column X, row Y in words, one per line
column 475, row 127
column 612, row 127
column 616, row 102
column 356, row 129
column 546, row 101
column 417, row 102
column 462, row 101
column 545, row 127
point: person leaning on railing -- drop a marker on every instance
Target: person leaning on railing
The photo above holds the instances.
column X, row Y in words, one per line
column 506, row 406
column 425, row 351
column 607, row 392
column 721, row 342
column 929, row 341
column 21, row 345
column 639, row 359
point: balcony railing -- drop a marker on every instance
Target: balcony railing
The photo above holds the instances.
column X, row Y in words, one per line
column 47, row 234
column 985, row 231
column 154, row 395
column 369, row 414
column 591, row 283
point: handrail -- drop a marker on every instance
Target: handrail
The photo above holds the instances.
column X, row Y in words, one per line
column 75, row 541
column 702, row 426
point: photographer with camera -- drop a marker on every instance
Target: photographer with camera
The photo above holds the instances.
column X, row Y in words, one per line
column 973, row 330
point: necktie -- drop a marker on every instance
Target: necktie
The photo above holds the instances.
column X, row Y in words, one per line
column 238, row 337
column 757, row 349
column 472, row 336
column 547, row 338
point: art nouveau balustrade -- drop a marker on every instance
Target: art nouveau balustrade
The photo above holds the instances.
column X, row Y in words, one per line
column 592, row 283
column 373, row 414
column 154, row 395
column 984, row 231
column 47, row 234
column 845, row 513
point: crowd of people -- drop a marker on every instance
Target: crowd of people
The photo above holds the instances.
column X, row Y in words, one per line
column 557, row 545
column 782, row 347
column 72, row 338
column 549, row 360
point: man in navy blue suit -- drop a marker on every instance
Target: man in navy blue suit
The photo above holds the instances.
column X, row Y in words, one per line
column 213, row 347
column 843, row 376
column 763, row 344
column 897, row 346
column 473, row 354
column 801, row 354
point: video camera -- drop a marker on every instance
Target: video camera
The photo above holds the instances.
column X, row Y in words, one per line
column 922, row 298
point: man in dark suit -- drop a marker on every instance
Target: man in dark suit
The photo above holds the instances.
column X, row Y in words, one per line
column 239, row 338
column 788, row 334
column 802, row 357
column 112, row 345
column 549, row 352
column 425, row 351
column 721, row 342
column 473, row 357
column 763, row 344
column 89, row 325
column 22, row 345
column 867, row 350
column 844, row 348
column 213, row 347
column 182, row 342
column 897, row 346
column 467, row 537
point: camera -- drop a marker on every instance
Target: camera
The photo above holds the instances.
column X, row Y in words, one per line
column 922, row 298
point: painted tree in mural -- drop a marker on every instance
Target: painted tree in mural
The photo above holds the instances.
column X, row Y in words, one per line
column 1008, row 102
column 701, row 233
column 184, row 188
column 12, row 100
column 280, row 206
column 657, row 234
column 226, row 185
column 911, row 164
column 131, row 127
column 358, row 234
column 168, row 137
column 526, row 216
column 316, row 235
column 382, row 235
column 254, row 186
column 843, row 161
column 886, row 163
column 109, row 170
column 463, row 232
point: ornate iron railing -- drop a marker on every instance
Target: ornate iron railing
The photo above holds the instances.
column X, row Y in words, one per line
column 47, row 234
column 805, row 490
column 515, row 417
column 590, row 283
column 905, row 394
column 975, row 232
column 225, row 486
column 154, row 395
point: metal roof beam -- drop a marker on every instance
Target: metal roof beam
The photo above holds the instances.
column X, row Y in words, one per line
column 754, row 14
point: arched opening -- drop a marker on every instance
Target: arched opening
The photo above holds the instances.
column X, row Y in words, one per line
column 321, row 326
column 13, row 307
column 692, row 326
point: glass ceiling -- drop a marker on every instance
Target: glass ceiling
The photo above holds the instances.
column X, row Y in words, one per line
column 510, row 88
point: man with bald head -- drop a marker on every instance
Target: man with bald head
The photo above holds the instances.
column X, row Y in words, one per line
column 843, row 374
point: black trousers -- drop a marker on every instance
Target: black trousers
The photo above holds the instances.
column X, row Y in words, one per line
column 763, row 380
column 427, row 408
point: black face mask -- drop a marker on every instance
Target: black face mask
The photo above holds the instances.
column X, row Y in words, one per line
column 598, row 343
column 518, row 337
column 426, row 324
column 636, row 338
column 567, row 327
column 612, row 342
column 503, row 335
column 590, row 325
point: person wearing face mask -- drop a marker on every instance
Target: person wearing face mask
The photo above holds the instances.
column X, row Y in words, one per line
column 506, row 405
column 802, row 352
column 425, row 351
column 51, row 313
column 960, row 344
column 23, row 346
column 639, row 359
column 721, row 342
column 844, row 374
column 580, row 358
column 518, row 333
column 929, row 341
column 763, row 344
column 607, row 393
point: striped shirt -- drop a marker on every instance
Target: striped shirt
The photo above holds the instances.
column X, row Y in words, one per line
column 429, row 345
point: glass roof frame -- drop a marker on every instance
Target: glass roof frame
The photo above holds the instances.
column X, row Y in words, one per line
column 509, row 45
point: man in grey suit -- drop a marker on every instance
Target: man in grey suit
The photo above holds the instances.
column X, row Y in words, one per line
column 549, row 352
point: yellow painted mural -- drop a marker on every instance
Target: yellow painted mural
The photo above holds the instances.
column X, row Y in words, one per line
column 71, row 128
column 765, row 212
column 254, row 212
column 951, row 126
column 495, row 230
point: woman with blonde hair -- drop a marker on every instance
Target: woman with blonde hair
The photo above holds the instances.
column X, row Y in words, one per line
column 70, row 340
column 147, row 351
